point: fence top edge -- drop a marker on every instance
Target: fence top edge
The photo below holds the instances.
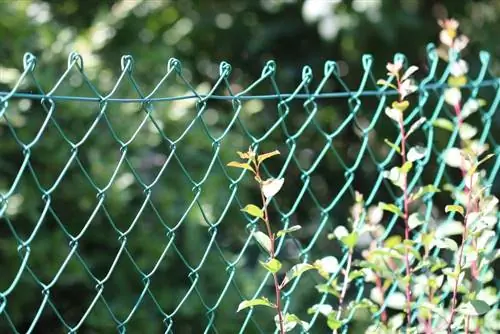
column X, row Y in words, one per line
column 332, row 95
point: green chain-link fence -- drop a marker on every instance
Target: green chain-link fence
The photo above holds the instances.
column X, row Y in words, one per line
column 118, row 213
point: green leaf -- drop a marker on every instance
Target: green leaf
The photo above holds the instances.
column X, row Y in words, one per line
column 355, row 274
column 446, row 243
column 273, row 265
column 340, row 232
column 243, row 155
column 476, row 166
column 243, row 165
column 437, row 264
column 416, row 153
column 383, row 82
column 327, row 288
column 392, row 241
column 428, row 189
column 415, row 220
column 271, row 187
column 263, row 240
column 449, row 272
column 253, row 210
column 396, row 321
column 406, row 167
column 467, row 131
column 281, row 233
column 333, row 323
column 296, row 271
column 416, row 125
column 394, row 114
column 392, row 145
column 400, row 105
column 396, row 300
column 457, row 81
column 265, row 156
column 290, row 321
column 364, row 303
column 444, row 124
column 409, row 72
column 387, row 252
column 454, row 157
column 350, row 240
column 447, row 228
column 327, row 265
column 474, row 308
column 488, row 295
column 263, row 301
column 454, row 208
column 391, row 208
column 324, row 309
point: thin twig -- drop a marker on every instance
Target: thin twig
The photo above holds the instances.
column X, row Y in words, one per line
column 277, row 287
column 405, row 217
column 345, row 285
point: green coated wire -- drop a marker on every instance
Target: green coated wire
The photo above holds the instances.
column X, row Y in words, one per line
column 430, row 87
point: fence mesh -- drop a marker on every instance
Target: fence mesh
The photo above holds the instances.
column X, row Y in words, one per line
column 118, row 212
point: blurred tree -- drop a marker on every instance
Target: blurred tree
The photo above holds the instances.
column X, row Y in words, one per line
column 102, row 210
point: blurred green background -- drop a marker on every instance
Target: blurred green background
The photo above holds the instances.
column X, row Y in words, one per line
column 173, row 241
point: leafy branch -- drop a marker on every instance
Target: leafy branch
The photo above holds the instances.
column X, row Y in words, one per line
column 268, row 189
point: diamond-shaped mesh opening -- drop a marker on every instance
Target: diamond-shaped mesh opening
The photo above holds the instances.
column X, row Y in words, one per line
column 117, row 192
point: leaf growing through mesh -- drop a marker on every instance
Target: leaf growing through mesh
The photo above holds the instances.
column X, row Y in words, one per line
column 391, row 208
column 265, row 156
column 296, row 271
column 263, row 240
column 446, row 243
column 474, row 308
column 409, row 72
column 243, row 165
column 273, row 265
column 415, row 220
column 394, row 114
column 383, row 82
column 253, row 210
column 400, row 105
column 443, row 123
column 392, row 145
column 416, row 125
column 454, row 208
column 416, row 153
column 290, row 321
column 294, row 228
column 327, row 265
column 467, row 131
column 263, row 301
column 271, row 187
column 428, row 189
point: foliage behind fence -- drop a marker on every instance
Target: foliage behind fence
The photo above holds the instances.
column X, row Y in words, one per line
column 117, row 210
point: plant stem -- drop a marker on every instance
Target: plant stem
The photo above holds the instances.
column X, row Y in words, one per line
column 428, row 321
column 378, row 284
column 405, row 217
column 468, row 190
column 277, row 287
column 345, row 284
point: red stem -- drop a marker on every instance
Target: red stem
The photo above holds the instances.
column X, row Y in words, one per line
column 378, row 283
column 277, row 287
column 428, row 322
column 458, row 110
column 405, row 217
column 344, row 287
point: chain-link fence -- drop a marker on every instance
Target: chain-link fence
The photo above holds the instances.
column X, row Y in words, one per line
column 118, row 211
